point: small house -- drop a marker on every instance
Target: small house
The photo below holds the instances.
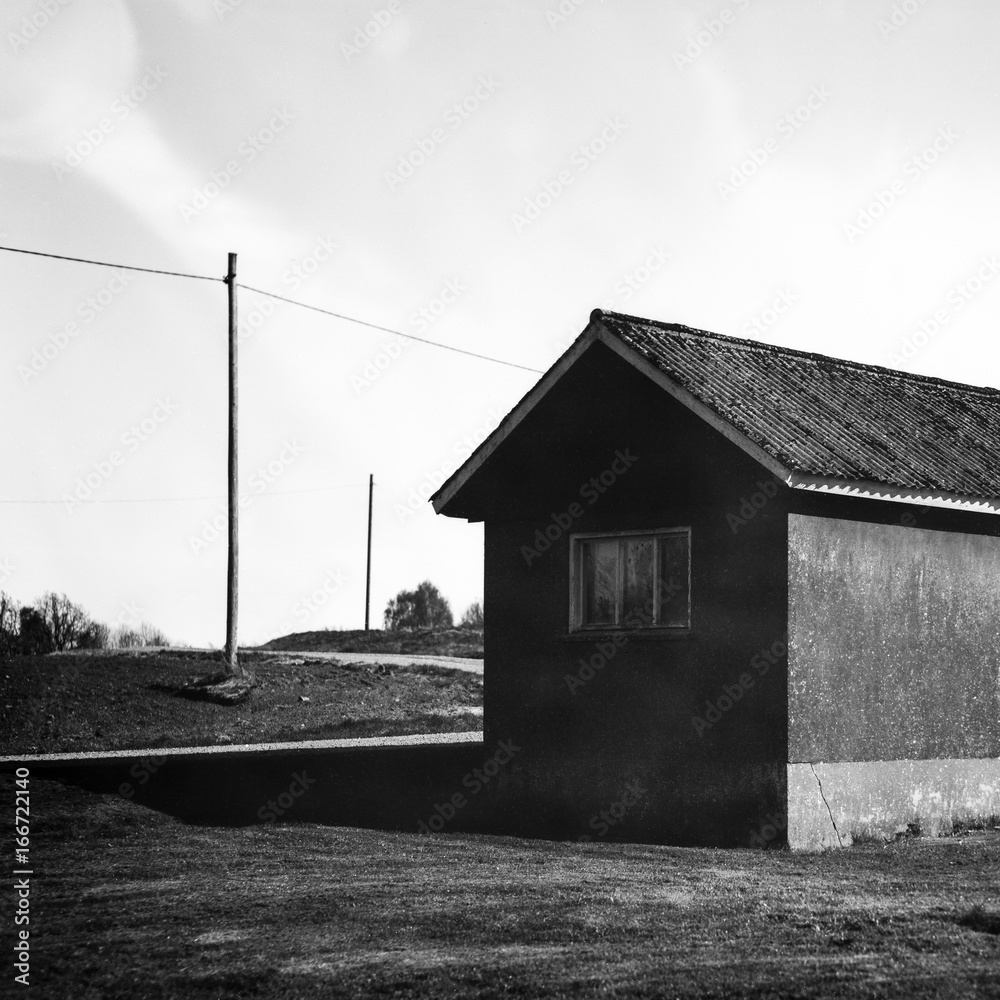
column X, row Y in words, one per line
column 738, row 594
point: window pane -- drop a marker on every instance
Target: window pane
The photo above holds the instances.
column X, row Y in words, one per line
column 600, row 581
column 637, row 605
column 673, row 596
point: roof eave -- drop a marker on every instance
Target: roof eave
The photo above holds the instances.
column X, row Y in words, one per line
column 451, row 486
column 597, row 331
column 871, row 490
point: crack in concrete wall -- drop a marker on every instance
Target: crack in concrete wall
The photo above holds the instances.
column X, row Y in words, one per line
column 827, row 804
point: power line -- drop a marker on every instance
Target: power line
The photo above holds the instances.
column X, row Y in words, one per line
column 385, row 329
column 266, row 493
column 280, row 298
column 104, row 263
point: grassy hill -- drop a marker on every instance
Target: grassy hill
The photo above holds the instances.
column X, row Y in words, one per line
column 427, row 642
column 69, row 702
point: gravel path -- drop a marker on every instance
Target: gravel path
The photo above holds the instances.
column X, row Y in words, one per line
column 473, row 666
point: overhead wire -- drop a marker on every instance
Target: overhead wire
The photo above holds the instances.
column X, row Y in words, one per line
column 386, row 329
column 120, row 267
column 271, row 295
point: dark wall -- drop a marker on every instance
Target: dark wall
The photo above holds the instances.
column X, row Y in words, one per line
column 586, row 746
column 382, row 787
column 894, row 637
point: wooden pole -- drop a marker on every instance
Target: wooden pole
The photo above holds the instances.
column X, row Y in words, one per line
column 232, row 595
column 368, row 570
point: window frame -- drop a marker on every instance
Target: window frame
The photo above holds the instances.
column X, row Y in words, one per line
column 577, row 583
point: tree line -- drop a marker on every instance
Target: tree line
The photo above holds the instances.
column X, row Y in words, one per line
column 54, row 624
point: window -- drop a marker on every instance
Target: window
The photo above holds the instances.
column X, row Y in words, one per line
column 631, row 580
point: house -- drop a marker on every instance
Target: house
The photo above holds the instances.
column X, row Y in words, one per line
column 738, row 594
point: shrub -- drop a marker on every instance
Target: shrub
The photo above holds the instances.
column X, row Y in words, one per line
column 420, row 608
column 35, row 634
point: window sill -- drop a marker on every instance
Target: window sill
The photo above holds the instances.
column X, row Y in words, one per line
column 643, row 634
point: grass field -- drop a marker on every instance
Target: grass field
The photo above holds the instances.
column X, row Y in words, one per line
column 81, row 701
column 129, row 903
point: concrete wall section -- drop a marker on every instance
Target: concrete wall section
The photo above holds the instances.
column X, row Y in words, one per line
column 831, row 804
column 446, row 786
column 894, row 648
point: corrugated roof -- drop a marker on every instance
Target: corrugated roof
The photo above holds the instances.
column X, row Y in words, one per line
column 828, row 417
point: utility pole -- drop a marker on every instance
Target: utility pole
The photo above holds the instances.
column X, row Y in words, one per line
column 232, row 595
column 368, row 570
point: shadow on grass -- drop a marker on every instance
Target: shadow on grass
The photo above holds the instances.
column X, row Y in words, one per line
column 980, row 919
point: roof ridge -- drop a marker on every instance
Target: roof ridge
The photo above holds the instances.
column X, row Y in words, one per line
column 744, row 344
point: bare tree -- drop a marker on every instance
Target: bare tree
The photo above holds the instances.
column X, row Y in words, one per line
column 127, row 637
column 9, row 624
column 66, row 621
column 473, row 616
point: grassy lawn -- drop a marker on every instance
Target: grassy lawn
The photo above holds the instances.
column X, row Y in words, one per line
column 128, row 903
column 78, row 701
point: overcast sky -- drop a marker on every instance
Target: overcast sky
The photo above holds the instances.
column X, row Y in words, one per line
column 812, row 173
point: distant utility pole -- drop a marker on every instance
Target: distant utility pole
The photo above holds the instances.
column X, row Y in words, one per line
column 368, row 570
column 232, row 596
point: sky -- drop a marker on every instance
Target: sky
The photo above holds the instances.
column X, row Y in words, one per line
column 810, row 173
